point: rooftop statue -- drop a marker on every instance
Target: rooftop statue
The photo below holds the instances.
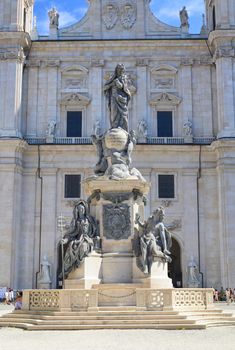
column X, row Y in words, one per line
column 118, row 95
column 54, row 17
column 184, row 18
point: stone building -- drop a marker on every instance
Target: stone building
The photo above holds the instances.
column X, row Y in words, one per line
column 183, row 107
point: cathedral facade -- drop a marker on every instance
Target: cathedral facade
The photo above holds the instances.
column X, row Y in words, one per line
column 182, row 109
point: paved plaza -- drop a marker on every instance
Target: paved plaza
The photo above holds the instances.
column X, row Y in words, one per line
column 213, row 338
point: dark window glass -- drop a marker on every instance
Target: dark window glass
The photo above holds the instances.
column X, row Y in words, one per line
column 166, row 186
column 72, row 186
column 24, row 19
column 164, row 124
column 214, row 18
column 74, row 124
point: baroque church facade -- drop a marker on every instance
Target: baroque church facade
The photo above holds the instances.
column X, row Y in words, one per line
column 182, row 108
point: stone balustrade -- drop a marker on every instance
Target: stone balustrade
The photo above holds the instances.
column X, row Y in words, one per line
column 81, row 299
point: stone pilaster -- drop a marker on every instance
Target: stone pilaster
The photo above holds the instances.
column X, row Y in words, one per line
column 226, row 190
column 95, row 88
column 185, row 76
column 11, row 68
column 225, row 93
column 10, row 209
column 141, row 98
column 26, row 244
column 33, row 67
column 190, row 219
column 49, row 203
column 52, row 88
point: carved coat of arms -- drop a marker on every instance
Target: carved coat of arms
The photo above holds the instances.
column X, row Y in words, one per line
column 116, row 221
column 128, row 15
column 110, row 15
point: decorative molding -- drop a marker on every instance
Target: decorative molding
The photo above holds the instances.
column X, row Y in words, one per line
column 142, row 62
column 77, row 69
column 165, row 98
column 11, row 54
column 97, row 63
column 75, row 99
column 224, row 52
column 33, row 63
column 186, row 61
column 164, row 68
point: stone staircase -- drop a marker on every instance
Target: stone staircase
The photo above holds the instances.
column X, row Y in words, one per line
column 116, row 318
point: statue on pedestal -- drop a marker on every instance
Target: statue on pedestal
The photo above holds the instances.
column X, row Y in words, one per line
column 118, row 95
column 44, row 279
column 81, row 238
column 184, row 18
column 151, row 240
column 54, row 17
column 193, row 274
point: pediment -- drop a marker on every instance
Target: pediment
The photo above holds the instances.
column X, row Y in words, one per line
column 74, row 69
column 164, row 68
column 112, row 19
column 75, row 99
column 165, row 98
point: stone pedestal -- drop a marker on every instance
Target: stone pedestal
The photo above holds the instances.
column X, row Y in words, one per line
column 159, row 275
column 115, row 204
column 88, row 274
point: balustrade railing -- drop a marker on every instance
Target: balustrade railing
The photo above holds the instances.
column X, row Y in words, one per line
column 87, row 299
column 149, row 140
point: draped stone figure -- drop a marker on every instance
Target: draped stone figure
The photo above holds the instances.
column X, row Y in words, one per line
column 151, row 240
column 118, row 95
column 81, row 238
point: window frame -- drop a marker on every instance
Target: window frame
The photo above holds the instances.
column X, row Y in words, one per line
column 175, row 198
column 82, row 119
column 64, row 185
column 172, row 115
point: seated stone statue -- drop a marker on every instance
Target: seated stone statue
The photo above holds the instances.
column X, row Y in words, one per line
column 151, row 240
column 81, row 238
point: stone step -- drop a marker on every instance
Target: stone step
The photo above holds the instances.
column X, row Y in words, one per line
column 57, row 327
column 103, row 321
column 94, row 313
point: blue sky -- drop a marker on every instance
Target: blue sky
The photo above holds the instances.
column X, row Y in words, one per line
column 166, row 10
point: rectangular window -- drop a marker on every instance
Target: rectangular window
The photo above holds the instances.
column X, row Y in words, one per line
column 166, row 186
column 164, row 124
column 74, row 124
column 72, row 186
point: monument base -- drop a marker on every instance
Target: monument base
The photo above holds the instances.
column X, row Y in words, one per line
column 158, row 278
column 88, row 274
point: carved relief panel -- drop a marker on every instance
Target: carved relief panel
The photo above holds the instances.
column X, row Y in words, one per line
column 163, row 78
column 75, row 79
column 124, row 13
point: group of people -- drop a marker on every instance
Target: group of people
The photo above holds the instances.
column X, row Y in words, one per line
column 227, row 295
column 9, row 296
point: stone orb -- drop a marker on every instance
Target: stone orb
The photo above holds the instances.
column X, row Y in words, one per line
column 116, row 139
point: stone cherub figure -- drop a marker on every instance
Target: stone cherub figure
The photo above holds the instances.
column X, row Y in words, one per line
column 188, row 128
column 81, row 238
column 51, row 128
column 54, row 17
column 118, row 95
column 151, row 240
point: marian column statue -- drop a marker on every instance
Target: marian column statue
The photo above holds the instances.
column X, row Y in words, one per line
column 118, row 95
